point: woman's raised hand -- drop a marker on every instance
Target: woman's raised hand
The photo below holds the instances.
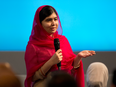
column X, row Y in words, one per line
column 57, row 57
column 86, row 53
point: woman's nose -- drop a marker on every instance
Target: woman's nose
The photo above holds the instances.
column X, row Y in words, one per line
column 53, row 23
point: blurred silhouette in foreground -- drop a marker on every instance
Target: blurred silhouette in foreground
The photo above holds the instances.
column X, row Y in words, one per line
column 8, row 77
column 97, row 75
column 61, row 79
column 113, row 83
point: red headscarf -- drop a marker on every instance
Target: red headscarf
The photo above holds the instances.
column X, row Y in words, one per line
column 38, row 35
column 40, row 39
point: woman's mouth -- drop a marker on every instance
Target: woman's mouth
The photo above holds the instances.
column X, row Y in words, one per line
column 53, row 28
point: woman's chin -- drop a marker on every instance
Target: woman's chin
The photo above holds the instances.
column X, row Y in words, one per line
column 52, row 32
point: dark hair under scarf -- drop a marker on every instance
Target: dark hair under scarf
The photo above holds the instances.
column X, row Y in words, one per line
column 45, row 12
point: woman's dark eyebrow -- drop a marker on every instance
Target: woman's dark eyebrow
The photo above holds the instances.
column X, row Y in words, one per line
column 55, row 17
column 48, row 18
column 51, row 18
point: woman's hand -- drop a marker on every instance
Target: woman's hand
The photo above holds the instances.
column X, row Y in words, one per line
column 82, row 54
column 86, row 53
column 57, row 57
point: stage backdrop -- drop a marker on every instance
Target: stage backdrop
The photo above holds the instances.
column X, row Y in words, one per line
column 88, row 24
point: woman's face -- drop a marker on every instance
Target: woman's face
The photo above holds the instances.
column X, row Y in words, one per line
column 50, row 23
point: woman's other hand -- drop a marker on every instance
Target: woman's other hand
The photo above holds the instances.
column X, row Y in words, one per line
column 86, row 53
column 82, row 54
column 57, row 57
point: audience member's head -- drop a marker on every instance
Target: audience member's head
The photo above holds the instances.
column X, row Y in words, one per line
column 97, row 75
column 8, row 77
column 113, row 84
column 61, row 79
